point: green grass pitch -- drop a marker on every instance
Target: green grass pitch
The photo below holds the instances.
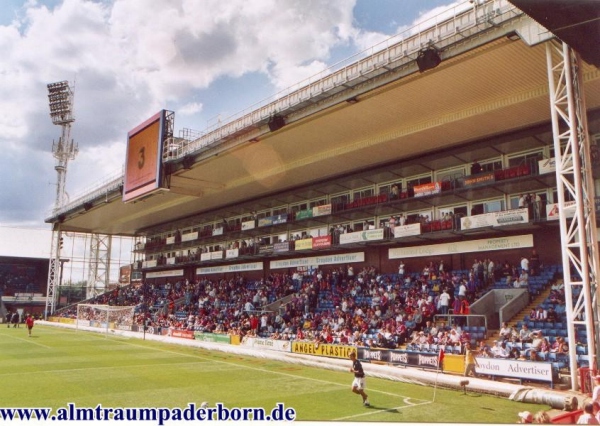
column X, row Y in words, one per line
column 59, row 366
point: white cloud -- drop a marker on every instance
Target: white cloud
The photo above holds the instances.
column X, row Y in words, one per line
column 190, row 108
column 131, row 58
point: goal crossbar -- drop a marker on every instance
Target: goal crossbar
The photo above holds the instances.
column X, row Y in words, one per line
column 105, row 317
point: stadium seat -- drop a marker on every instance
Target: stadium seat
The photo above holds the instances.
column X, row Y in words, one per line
column 583, row 360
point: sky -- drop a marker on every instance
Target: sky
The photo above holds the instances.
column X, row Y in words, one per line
column 206, row 60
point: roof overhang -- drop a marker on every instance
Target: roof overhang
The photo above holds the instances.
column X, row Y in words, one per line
column 480, row 91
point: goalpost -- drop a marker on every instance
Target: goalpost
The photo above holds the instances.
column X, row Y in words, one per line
column 104, row 317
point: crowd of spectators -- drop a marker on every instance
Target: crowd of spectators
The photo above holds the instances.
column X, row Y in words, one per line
column 20, row 278
column 365, row 307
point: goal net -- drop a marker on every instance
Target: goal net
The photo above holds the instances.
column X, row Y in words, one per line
column 105, row 317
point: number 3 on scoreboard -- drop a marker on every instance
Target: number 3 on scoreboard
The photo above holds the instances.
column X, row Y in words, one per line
column 142, row 158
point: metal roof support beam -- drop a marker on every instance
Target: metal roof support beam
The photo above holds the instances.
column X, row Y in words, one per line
column 99, row 266
column 574, row 177
column 53, row 271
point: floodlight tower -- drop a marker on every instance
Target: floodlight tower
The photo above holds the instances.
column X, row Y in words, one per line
column 60, row 96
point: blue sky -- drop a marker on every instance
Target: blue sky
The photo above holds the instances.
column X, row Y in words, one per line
column 127, row 59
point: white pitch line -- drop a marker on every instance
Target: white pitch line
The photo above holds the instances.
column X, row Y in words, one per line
column 70, row 370
column 372, row 412
column 258, row 369
column 26, row 340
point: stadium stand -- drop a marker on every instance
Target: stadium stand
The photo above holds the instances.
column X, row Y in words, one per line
column 387, row 176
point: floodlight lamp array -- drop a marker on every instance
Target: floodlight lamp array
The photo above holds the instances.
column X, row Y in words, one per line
column 60, row 86
column 60, row 97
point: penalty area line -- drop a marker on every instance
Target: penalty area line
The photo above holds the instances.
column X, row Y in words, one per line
column 384, row 410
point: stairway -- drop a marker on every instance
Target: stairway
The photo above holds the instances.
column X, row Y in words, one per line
column 493, row 335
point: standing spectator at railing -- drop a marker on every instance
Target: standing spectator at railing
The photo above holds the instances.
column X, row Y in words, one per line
column 491, row 266
column 465, row 308
column 462, row 289
column 536, row 202
column 444, row 300
column 523, row 202
column 392, row 225
column 400, row 220
column 524, row 264
column 401, row 269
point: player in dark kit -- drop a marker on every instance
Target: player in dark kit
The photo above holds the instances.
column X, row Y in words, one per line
column 358, row 384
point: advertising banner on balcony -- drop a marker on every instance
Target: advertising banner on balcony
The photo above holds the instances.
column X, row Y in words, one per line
column 362, row 236
column 552, row 212
column 190, row 236
column 266, row 249
column 547, row 165
column 149, row 263
column 170, row 261
column 223, row 269
column 249, row 224
column 321, row 242
column 407, row 230
column 304, row 214
column 304, row 244
column 321, row 210
column 428, row 189
column 265, row 221
column 281, row 247
column 232, row 253
column 488, row 244
column 279, row 219
column 160, row 274
column 510, row 217
column 333, row 259
column 216, row 255
column 478, row 179
column 217, row 231
column 170, row 240
column 204, row 256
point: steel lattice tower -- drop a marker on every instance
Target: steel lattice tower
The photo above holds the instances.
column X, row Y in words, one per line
column 574, row 178
column 60, row 97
